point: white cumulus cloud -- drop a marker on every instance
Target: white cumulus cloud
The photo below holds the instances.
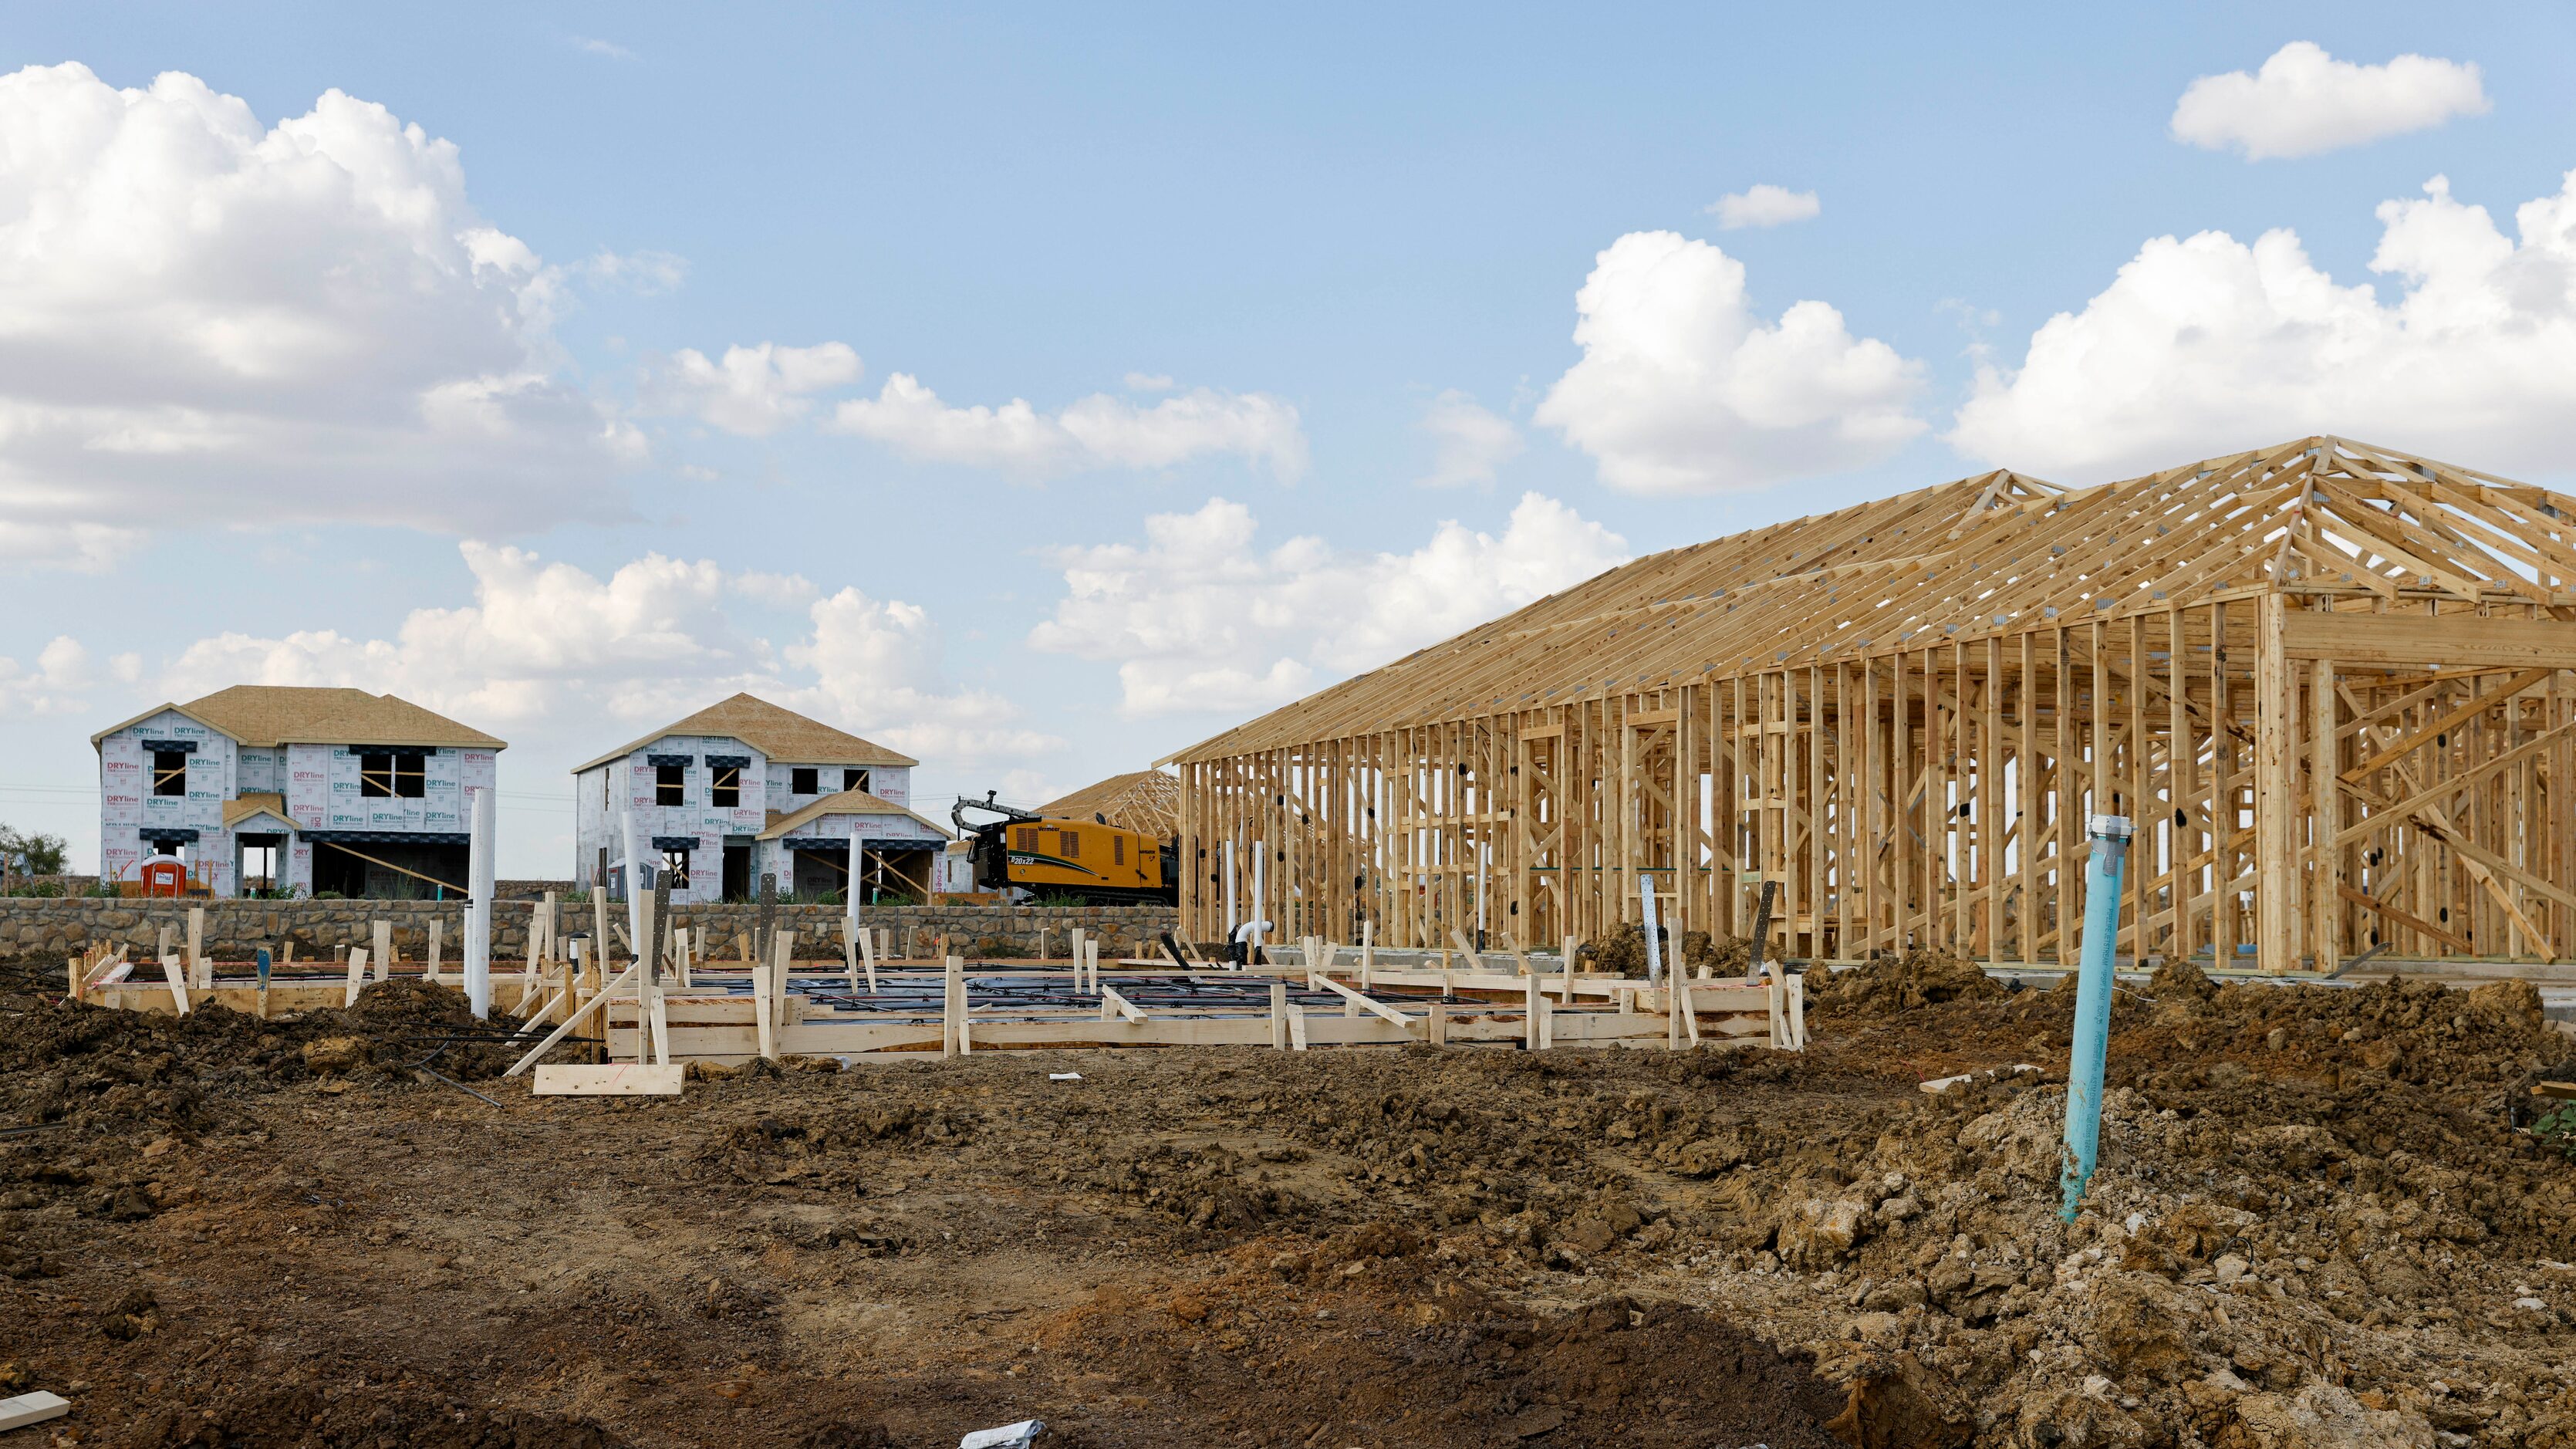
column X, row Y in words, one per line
column 1098, row 431
column 1764, row 205
column 753, row 391
column 1201, row 616
column 552, row 647
column 2303, row 101
column 204, row 318
column 1471, row 440
column 58, row 684
column 1684, row 388
column 2208, row 345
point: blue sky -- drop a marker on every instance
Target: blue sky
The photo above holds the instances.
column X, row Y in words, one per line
column 1319, row 233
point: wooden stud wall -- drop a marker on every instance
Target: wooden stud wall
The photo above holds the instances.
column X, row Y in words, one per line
column 2334, row 687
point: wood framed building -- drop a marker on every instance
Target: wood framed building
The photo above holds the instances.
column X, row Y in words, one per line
column 2334, row 686
column 1145, row 801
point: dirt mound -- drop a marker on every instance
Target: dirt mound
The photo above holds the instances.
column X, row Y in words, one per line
column 2238, row 1236
column 1623, row 951
column 1890, row 983
column 94, row 1067
column 1408, row 1355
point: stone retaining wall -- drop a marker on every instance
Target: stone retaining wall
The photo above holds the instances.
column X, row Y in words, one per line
column 53, row 929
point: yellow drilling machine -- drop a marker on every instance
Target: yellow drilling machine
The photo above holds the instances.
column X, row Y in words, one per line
column 1092, row 860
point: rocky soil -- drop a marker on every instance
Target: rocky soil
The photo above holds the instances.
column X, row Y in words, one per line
column 2314, row 1225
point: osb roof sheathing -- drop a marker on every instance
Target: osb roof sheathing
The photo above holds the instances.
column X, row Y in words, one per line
column 1995, row 554
column 264, row 716
column 1146, row 801
column 786, row 737
column 847, row 802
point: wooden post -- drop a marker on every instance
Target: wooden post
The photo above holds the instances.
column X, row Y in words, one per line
column 1536, row 1006
column 956, row 1042
column 198, row 972
column 1279, row 1013
column 764, row 1012
column 784, row 949
column 437, row 945
column 382, row 933
column 2275, row 802
column 171, row 968
column 357, row 978
column 2324, row 761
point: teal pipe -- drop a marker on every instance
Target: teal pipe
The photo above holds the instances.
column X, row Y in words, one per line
column 2110, row 835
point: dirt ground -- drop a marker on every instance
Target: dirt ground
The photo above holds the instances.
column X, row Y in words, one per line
column 2313, row 1226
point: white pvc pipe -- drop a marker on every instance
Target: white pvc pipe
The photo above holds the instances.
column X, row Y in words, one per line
column 1654, row 938
column 851, row 896
column 1260, row 853
column 635, row 886
column 480, row 842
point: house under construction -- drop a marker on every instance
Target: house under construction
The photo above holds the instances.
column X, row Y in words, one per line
column 2333, row 685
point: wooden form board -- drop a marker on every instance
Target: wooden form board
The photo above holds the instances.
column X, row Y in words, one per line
column 2306, row 673
column 616, row 1079
column 736, row 1040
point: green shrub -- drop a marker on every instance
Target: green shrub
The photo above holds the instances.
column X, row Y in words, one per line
column 2556, row 1130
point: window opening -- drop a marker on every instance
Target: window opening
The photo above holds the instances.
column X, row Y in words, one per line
column 675, row 867
column 726, row 791
column 169, row 772
column 804, row 780
column 854, row 779
column 392, row 777
column 670, row 785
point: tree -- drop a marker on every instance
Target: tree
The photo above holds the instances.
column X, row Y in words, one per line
column 33, row 851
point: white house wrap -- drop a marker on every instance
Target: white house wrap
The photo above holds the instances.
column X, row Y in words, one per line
column 302, row 790
column 707, row 793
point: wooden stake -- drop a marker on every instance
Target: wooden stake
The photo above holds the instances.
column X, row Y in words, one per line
column 957, row 1042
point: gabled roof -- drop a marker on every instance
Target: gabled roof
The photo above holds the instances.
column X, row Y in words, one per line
column 256, row 802
column 848, row 802
column 785, row 736
column 1995, row 554
column 1145, row 801
column 264, row 716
